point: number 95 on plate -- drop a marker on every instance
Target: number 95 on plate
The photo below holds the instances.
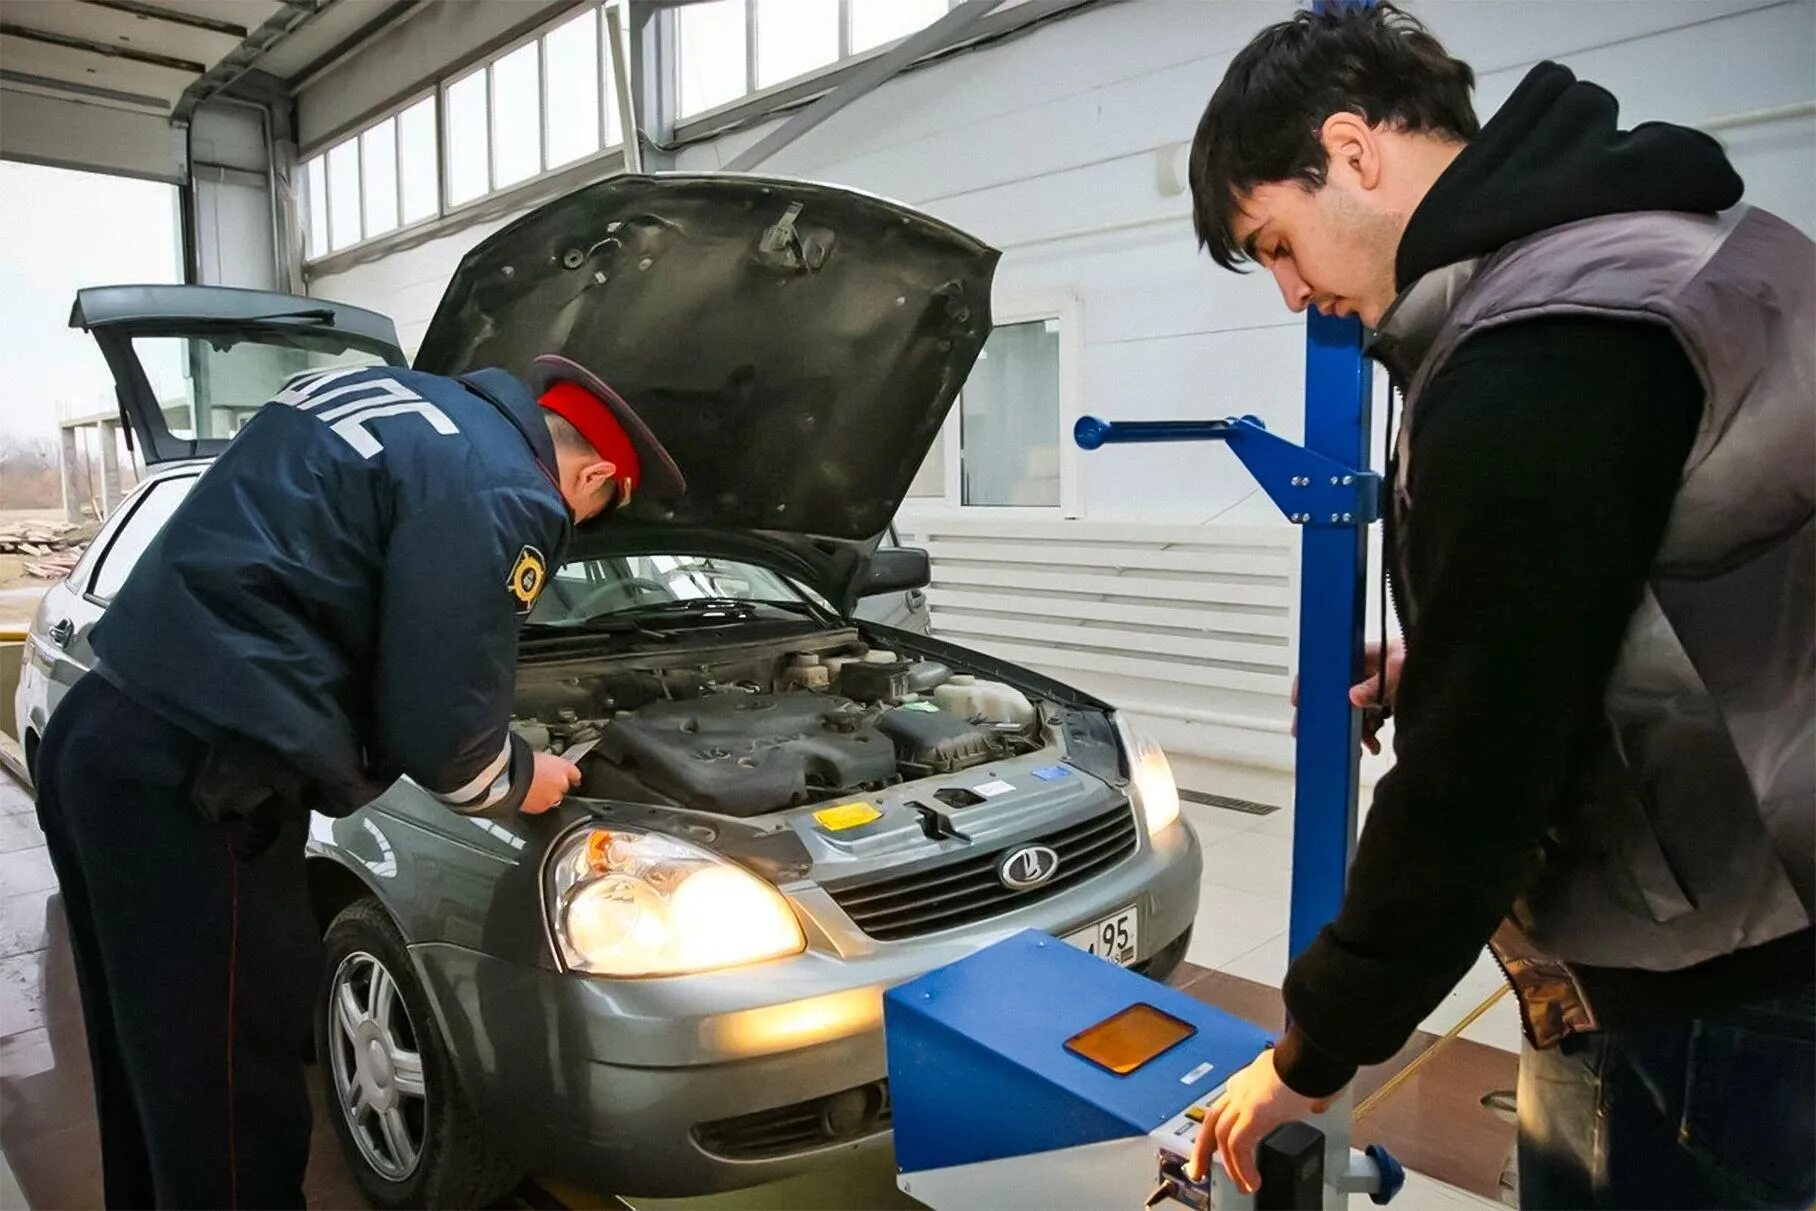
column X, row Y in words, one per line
column 1113, row 937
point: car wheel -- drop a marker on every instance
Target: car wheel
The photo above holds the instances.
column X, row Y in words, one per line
column 409, row 1135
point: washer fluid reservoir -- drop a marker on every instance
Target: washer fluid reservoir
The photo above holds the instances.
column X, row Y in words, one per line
column 965, row 695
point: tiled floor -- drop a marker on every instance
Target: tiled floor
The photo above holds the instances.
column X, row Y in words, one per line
column 1242, row 919
column 1433, row 1120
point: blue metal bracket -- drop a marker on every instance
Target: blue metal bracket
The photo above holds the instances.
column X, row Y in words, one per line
column 1310, row 489
column 1320, row 486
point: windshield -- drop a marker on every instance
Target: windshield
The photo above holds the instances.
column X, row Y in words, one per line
column 588, row 589
column 208, row 387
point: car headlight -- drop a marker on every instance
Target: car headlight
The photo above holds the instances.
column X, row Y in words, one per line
column 1151, row 783
column 629, row 903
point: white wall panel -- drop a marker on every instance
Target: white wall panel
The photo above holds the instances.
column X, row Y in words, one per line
column 43, row 129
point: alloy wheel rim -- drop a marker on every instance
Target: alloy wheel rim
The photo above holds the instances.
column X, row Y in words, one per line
column 376, row 1064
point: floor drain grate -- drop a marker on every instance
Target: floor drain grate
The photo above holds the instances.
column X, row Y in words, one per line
column 1247, row 807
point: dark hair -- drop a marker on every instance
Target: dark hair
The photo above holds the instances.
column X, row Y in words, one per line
column 1263, row 122
column 565, row 436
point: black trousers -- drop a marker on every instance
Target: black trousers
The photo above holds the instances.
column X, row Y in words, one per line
column 196, row 956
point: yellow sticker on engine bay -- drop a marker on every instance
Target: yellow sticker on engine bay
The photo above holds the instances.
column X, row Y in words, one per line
column 846, row 815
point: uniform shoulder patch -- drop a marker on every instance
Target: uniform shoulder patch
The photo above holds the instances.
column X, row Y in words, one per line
column 528, row 575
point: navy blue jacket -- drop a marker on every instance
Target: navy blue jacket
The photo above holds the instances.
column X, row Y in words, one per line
column 342, row 590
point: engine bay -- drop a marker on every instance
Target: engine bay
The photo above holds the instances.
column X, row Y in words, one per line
column 745, row 730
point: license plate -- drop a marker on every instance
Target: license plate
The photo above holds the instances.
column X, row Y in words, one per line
column 1113, row 938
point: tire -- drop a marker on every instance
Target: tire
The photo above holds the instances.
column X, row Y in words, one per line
column 429, row 1115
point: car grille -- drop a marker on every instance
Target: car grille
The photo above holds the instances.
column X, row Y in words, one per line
column 836, row 1118
column 958, row 893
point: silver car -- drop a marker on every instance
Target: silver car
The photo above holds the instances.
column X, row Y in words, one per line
column 672, row 984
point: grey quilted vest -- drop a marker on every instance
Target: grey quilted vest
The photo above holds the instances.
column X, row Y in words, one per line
column 1696, row 829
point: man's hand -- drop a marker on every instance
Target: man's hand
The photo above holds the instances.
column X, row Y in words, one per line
column 553, row 779
column 1366, row 693
column 1254, row 1102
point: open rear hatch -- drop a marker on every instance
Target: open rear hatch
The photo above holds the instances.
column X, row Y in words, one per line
column 192, row 363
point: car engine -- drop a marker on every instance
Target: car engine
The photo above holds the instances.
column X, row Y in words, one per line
column 754, row 732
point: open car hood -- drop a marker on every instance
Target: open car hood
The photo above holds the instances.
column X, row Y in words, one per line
column 157, row 341
column 795, row 346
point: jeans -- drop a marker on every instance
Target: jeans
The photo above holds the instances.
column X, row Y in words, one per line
column 1710, row 1113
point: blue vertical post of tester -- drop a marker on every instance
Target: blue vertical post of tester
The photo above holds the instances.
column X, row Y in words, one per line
column 1332, row 603
column 1333, row 598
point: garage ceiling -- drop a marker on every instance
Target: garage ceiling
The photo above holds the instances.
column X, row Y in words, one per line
column 168, row 55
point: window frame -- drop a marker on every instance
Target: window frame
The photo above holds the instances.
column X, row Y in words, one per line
column 397, row 115
column 846, row 58
column 397, row 111
column 90, row 587
column 1066, row 308
column 493, row 188
column 608, row 149
column 397, row 179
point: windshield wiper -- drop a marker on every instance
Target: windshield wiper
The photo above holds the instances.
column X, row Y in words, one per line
column 744, row 607
column 322, row 315
column 601, row 624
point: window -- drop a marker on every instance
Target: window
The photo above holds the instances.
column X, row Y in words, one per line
column 590, row 588
column 712, row 54
column 875, row 22
column 378, row 176
column 315, row 189
column 516, row 117
column 154, row 508
column 1009, row 419
column 383, row 178
column 210, row 388
column 417, row 173
column 608, row 86
column 551, row 103
column 343, row 195
column 469, row 145
column 794, row 37
column 1005, row 443
column 572, row 90
column 930, row 480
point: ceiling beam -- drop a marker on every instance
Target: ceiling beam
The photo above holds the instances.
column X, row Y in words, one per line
column 107, row 49
column 154, row 12
column 350, row 45
column 241, row 59
column 79, row 91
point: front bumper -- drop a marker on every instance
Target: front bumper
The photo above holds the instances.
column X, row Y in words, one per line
column 607, row 1083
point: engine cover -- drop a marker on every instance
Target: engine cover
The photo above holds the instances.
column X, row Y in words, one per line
column 746, row 754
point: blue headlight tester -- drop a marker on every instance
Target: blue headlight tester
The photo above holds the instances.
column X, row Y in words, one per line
column 993, row 1107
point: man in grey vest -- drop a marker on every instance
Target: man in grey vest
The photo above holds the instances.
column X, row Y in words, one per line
column 1601, row 547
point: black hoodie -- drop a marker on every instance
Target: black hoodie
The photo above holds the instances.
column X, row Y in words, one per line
column 1547, row 457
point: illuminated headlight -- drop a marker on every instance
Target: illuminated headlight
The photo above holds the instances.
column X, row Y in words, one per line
column 1151, row 783
column 628, row 903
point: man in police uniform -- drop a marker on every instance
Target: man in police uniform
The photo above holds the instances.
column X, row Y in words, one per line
column 334, row 605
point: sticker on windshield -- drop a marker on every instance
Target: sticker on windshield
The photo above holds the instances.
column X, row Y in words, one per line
column 528, row 575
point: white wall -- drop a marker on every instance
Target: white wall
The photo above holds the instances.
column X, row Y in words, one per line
column 1058, row 147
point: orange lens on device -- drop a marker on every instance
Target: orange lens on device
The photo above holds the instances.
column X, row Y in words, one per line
column 1129, row 1038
